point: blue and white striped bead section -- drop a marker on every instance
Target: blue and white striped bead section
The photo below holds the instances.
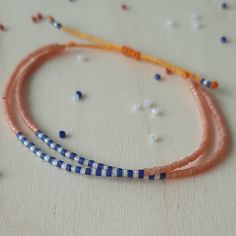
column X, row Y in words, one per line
column 205, row 82
column 73, row 156
column 55, row 23
column 108, row 172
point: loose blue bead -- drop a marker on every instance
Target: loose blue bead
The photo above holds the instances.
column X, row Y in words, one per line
column 62, row 134
column 157, row 77
column 223, row 39
column 79, row 94
column 224, row 5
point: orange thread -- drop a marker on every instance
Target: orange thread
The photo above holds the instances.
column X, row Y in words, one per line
column 129, row 52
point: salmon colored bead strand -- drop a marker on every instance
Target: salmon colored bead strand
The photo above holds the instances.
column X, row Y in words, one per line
column 177, row 169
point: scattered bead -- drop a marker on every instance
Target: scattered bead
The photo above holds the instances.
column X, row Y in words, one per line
column 224, row 5
column 147, row 103
column 124, row 7
column 136, row 108
column 2, row 28
column 155, row 111
column 157, row 77
column 153, row 137
column 81, row 58
column 78, row 95
column 34, row 19
column 62, row 134
column 195, row 17
column 197, row 25
column 40, row 16
column 170, row 23
column 223, row 39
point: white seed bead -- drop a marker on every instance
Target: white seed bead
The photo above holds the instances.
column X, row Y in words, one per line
column 153, row 137
column 195, row 16
column 147, row 103
column 197, row 25
column 81, row 58
column 155, row 111
column 170, row 23
column 136, row 108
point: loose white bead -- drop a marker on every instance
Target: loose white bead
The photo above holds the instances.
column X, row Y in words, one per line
column 155, row 111
column 136, row 108
column 170, row 23
column 195, row 16
column 81, row 58
column 147, row 103
column 153, row 137
column 196, row 25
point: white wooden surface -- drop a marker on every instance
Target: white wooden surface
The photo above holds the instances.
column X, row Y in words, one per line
column 37, row 199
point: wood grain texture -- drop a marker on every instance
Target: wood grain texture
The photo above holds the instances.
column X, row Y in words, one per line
column 37, row 199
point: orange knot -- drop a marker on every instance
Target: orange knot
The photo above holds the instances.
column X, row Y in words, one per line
column 129, row 52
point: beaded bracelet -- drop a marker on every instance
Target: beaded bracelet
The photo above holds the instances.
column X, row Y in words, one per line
column 14, row 98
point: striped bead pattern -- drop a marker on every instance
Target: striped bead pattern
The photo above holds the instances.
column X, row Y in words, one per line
column 205, row 82
column 113, row 171
column 55, row 23
column 107, row 172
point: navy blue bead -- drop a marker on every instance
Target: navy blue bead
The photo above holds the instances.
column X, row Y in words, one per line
column 59, row 163
column 30, row 144
column 72, row 155
column 44, row 137
column 23, row 140
column 56, row 147
column 36, row 150
column 151, row 177
column 98, row 172
column 90, row 163
column 63, row 152
column 140, row 174
column 119, row 172
column 100, row 165
column 62, row 134
column 78, row 169
column 202, row 81
column 162, row 175
column 224, row 5
column 49, row 143
column 18, row 134
column 88, row 171
column 37, row 133
column 42, row 156
column 79, row 94
column 109, row 171
column 223, row 39
column 130, row 173
column 81, row 160
column 157, row 77
column 68, row 167
column 51, row 159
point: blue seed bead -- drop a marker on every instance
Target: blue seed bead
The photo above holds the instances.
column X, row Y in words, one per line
column 157, row 77
column 224, row 5
column 79, row 94
column 62, row 134
column 223, row 39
